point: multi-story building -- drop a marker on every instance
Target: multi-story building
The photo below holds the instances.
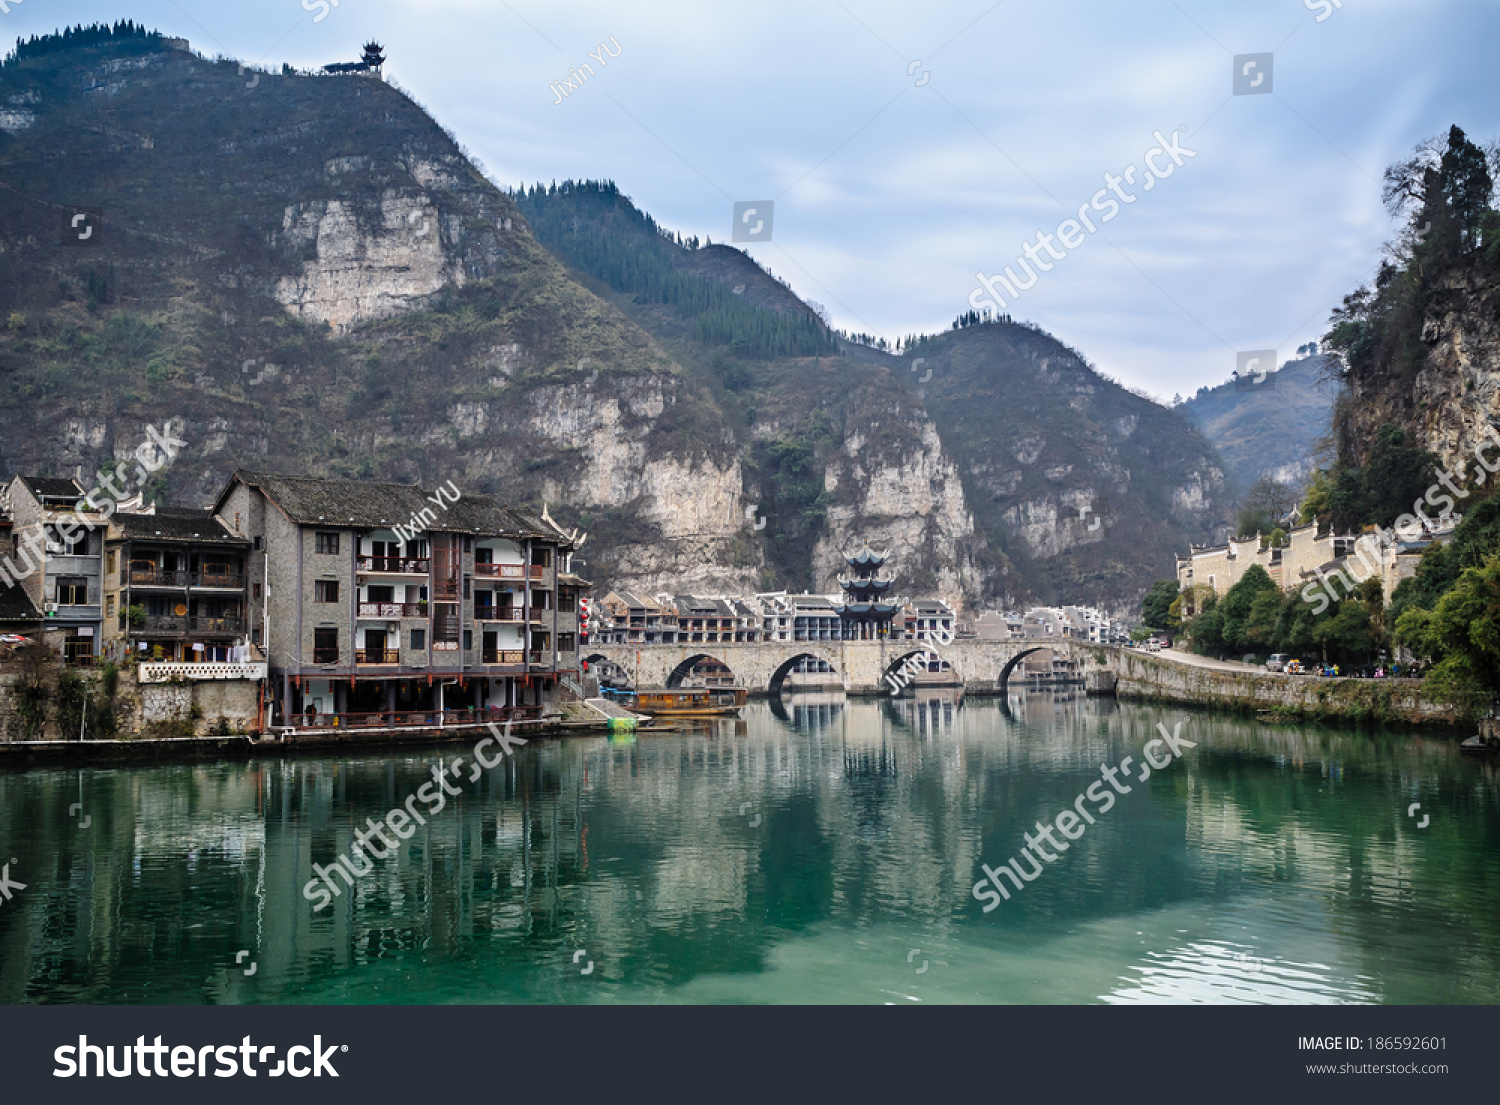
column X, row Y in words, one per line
column 375, row 608
column 55, row 556
column 627, row 618
column 1308, row 556
column 929, row 620
column 175, row 588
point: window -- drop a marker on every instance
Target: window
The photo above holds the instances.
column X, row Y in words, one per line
column 326, row 543
column 255, row 635
column 466, row 588
column 72, row 591
column 326, row 590
column 541, row 600
column 468, row 639
column 542, row 558
column 257, row 592
column 258, row 543
column 110, row 562
column 567, row 601
column 109, row 607
column 325, row 646
column 236, row 521
column 566, row 643
column 419, row 640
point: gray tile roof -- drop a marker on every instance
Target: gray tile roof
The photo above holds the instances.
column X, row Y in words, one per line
column 178, row 525
column 311, row 501
column 53, row 487
column 16, row 606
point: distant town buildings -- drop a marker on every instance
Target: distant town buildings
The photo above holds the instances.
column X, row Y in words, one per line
column 1309, row 557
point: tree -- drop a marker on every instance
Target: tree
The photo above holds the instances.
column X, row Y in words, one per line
column 1463, row 636
column 1267, row 502
column 1235, row 609
column 1156, row 607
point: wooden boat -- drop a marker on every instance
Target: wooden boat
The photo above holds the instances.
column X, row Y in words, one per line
column 683, row 701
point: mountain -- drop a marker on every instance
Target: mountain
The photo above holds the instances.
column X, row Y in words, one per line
column 1269, row 428
column 308, row 272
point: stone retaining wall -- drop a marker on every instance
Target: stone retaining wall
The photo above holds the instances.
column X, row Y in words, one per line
column 1144, row 677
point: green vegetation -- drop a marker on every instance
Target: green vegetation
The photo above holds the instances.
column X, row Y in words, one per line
column 592, row 227
column 1156, row 607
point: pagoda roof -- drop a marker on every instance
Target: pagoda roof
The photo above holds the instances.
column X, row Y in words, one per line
column 867, row 583
column 866, row 609
column 867, row 558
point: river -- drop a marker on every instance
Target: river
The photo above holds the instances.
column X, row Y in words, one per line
column 823, row 851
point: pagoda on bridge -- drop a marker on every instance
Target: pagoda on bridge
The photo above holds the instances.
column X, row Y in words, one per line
column 864, row 615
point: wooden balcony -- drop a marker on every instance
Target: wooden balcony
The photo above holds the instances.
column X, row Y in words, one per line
column 394, row 565
column 503, row 656
column 146, row 574
column 225, row 625
column 508, row 571
column 154, row 624
column 393, row 610
column 484, row 613
column 219, row 580
column 377, row 656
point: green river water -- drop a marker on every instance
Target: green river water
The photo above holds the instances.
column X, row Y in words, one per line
column 822, row 851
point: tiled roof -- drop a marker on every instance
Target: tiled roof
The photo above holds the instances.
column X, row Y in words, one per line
column 53, row 487
column 311, row 501
column 568, row 579
column 16, row 606
column 178, row 524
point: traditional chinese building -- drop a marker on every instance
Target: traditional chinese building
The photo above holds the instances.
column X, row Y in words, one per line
column 864, row 615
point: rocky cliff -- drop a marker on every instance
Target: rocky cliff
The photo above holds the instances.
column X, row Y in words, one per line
column 310, row 274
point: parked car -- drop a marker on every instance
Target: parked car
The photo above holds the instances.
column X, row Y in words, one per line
column 1277, row 661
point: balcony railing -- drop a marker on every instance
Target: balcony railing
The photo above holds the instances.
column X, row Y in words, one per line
column 152, row 576
column 509, row 571
column 414, row 719
column 393, row 610
column 399, row 565
column 223, row 580
column 325, row 656
column 503, row 656
column 377, row 656
column 226, row 623
column 483, row 613
column 159, row 623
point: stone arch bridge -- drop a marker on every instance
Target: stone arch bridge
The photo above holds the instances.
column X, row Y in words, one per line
column 862, row 666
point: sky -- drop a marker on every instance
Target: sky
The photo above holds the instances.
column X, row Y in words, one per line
column 908, row 149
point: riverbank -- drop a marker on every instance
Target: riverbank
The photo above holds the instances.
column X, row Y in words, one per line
column 245, row 746
column 1249, row 690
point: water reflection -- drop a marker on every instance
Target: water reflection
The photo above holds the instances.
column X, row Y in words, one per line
column 777, row 859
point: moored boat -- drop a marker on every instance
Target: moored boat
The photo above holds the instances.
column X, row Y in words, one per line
column 683, row 701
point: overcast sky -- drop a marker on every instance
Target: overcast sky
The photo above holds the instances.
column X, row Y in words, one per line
column 893, row 189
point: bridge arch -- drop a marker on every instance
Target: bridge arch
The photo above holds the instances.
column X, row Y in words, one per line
column 778, row 677
column 893, row 682
column 685, row 668
column 1003, row 681
column 607, row 670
